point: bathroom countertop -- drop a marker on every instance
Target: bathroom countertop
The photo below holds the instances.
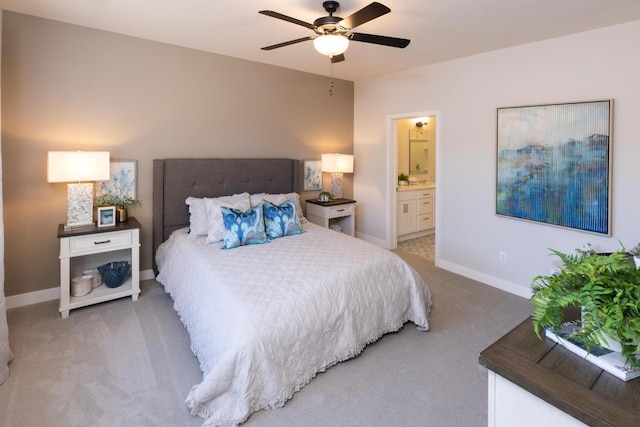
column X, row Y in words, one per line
column 410, row 187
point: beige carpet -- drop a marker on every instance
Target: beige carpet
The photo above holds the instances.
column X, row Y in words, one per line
column 126, row 363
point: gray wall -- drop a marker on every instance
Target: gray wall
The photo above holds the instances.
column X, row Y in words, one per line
column 66, row 87
column 591, row 65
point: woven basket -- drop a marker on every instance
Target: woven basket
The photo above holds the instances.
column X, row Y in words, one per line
column 113, row 273
column 81, row 286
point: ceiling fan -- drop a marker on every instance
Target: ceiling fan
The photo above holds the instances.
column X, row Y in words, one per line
column 332, row 33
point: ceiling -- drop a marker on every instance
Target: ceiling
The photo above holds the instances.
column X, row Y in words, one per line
column 439, row 30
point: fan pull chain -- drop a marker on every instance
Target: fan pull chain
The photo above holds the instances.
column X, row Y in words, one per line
column 331, row 74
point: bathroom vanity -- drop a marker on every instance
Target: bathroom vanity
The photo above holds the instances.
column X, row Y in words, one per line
column 415, row 211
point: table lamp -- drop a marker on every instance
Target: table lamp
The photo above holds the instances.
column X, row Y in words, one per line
column 337, row 164
column 75, row 168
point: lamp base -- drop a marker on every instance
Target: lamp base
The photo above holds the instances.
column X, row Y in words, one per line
column 336, row 185
column 79, row 227
column 79, row 206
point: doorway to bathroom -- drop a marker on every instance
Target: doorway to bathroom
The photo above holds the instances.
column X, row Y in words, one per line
column 412, row 143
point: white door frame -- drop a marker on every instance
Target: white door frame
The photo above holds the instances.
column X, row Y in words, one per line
column 392, row 171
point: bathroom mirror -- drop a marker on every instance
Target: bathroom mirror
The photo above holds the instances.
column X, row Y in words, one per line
column 418, row 153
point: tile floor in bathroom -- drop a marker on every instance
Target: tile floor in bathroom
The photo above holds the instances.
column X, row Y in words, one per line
column 422, row 246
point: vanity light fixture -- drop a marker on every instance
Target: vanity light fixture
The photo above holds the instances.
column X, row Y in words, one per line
column 337, row 164
column 74, row 167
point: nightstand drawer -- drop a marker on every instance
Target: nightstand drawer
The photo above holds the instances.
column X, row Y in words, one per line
column 340, row 210
column 332, row 211
column 99, row 242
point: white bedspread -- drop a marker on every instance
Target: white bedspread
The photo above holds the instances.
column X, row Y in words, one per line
column 264, row 319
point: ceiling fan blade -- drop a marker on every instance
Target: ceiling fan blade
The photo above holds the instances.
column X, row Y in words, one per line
column 337, row 58
column 275, row 46
column 383, row 40
column 366, row 14
column 277, row 15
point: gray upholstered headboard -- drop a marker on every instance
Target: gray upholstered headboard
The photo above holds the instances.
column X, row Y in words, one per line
column 176, row 179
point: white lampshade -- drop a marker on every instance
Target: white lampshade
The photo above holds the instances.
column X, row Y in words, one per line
column 73, row 167
column 334, row 163
column 337, row 164
column 78, row 166
column 331, row 44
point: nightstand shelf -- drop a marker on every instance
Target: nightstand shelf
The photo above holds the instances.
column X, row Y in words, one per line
column 102, row 294
column 87, row 248
column 336, row 213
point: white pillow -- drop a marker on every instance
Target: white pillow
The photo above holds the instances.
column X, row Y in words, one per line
column 215, row 224
column 198, row 225
column 278, row 199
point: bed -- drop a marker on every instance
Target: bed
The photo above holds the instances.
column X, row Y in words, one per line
column 264, row 319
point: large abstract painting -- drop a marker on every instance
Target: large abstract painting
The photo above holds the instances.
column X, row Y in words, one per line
column 554, row 164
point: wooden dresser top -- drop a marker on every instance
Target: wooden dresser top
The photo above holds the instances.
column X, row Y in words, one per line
column 563, row 379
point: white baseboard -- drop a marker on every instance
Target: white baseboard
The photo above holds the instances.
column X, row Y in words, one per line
column 512, row 288
column 147, row 275
column 378, row 242
column 36, row 297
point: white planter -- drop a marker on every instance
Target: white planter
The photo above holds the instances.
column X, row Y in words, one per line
column 608, row 342
column 611, row 344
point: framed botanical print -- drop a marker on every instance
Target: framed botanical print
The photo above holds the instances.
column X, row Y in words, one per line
column 312, row 175
column 123, row 181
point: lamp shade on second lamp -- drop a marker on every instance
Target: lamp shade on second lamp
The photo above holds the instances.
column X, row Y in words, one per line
column 337, row 164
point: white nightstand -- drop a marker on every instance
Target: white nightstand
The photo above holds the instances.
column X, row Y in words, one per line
column 88, row 248
column 338, row 212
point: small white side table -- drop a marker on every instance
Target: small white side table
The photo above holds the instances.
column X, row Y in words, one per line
column 90, row 247
column 340, row 212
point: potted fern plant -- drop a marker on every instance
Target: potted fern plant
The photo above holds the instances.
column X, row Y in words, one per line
column 606, row 287
column 635, row 251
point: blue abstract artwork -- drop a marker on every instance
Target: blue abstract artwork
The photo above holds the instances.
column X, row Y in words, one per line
column 554, row 164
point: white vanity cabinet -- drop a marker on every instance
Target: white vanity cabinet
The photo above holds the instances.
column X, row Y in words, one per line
column 425, row 209
column 415, row 212
column 407, row 218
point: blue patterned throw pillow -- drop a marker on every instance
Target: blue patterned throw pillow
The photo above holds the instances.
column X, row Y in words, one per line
column 243, row 228
column 281, row 220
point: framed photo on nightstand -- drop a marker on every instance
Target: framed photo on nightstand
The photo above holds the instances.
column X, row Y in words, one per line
column 106, row 216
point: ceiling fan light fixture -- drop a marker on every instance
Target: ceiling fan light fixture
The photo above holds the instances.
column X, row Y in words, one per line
column 331, row 44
